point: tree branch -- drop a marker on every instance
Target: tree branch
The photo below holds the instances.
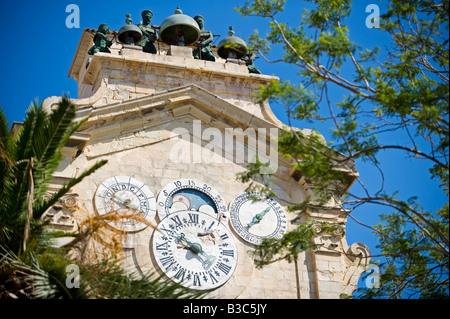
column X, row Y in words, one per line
column 390, row 202
column 316, row 69
column 380, row 147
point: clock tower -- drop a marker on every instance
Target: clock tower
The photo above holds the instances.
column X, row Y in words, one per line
column 176, row 129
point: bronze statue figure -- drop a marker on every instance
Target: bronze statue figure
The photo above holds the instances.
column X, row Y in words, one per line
column 149, row 33
column 248, row 58
column 203, row 50
column 101, row 41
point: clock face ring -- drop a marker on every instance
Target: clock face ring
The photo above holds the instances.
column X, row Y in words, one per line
column 254, row 221
column 194, row 249
column 125, row 196
column 193, row 195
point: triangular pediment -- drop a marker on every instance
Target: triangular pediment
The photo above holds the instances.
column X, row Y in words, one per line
column 161, row 108
column 159, row 118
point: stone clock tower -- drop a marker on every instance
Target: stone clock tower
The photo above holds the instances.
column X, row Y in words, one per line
column 176, row 130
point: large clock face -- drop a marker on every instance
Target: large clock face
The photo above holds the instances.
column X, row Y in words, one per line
column 126, row 196
column 254, row 221
column 192, row 195
column 194, row 249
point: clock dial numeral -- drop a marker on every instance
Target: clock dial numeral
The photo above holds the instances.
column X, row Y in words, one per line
column 167, row 262
column 168, row 231
column 228, row 252
column 197, row 281
column 177, row 220
column 223, row 267
column 180, row 274
column 212, row 225
column 163, row 246
column 213, row 279
column 193, row 218
column 224, row 236
column 188, row 252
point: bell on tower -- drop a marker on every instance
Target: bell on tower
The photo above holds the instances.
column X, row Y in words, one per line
column 129, row 33
column 232, row 47
column 179, row 29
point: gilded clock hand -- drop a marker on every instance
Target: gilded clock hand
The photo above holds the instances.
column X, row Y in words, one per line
column 197, row 249
column 258, row 217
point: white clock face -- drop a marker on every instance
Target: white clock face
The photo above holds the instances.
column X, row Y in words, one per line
column 254, row 221
column 192, row 195
column 194, row 249
column 124, row 195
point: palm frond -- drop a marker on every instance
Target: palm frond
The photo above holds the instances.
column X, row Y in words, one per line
column 42, row 205
column 4, row 141
column 55, row 133
column 45, row 274
column 110, row 281
column 6, row 177
column 39, row 140
column 34, row 120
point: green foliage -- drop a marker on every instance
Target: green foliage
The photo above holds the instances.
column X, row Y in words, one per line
column 291, row 244
column 297, row 98
column 416, row 267
column 40, row 139
column 398, row 92
column 261, row 8
column 108, row 280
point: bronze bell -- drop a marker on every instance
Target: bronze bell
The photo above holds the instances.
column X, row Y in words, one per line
column 179, row 29
column 129, row 33
column 232, row 47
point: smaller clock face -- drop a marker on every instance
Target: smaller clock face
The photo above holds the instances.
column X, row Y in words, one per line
column 254, row 221
column 194, row 249
column 192, row 195
column 124, row 196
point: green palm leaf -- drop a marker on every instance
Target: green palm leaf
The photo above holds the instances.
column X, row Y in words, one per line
column 40, row 138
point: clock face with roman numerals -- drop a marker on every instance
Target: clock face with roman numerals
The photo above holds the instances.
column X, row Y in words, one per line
column 194, row 249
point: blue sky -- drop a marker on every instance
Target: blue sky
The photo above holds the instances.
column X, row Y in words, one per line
column 37, row 49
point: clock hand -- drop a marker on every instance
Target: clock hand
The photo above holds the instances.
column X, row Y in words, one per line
column 125, row 202
column 258, row 217
column 197, row 249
